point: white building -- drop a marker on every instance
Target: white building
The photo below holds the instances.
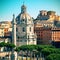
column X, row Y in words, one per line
column 25, row 28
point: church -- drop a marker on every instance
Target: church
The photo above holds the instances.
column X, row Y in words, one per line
column 25, row 28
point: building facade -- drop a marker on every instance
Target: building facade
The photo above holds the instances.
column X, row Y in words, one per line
column 55, row 34
column 43, row 34
column 47, row 35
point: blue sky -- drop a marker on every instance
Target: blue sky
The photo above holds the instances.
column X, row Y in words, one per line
column 10, row 7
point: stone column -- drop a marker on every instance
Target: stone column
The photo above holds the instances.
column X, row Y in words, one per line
column 14, row 30
column 14, row 53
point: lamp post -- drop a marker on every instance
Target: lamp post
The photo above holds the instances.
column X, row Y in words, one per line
column 37, row 57
column 34, row 54
column 22, row 55
column 30, row 55
column 40, row 56
column 27, row 55
column 28, row 40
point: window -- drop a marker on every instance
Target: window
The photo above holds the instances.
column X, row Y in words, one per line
column 28, row 36
column 21, row 41
column 18, row 37
column 23, row 29
column 30, row 29
column 16, row 29
column 23, row 20
column 25, row 40
column 17, row 40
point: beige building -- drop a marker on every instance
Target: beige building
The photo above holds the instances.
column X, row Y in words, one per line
column 42, row 15
column 5, row 31
column 48, row 15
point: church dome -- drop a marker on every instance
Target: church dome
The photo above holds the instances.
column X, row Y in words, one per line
column 25, row 16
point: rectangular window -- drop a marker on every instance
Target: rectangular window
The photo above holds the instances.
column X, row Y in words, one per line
column 25, row 40
column 21, row 41
column 23, row 29
column 30, row 29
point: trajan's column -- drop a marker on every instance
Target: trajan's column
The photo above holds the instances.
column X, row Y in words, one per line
column 14, row 54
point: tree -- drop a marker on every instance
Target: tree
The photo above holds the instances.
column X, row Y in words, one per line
column 48, row 51
column 17, row 49
column 53, row 57
column 2, row 44
column 9, row 46
column 40, row 47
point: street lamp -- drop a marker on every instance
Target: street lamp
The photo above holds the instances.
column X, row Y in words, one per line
column 34, row 54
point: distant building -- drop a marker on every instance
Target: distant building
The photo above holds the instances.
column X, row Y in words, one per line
column 43, row 34
column 51, row 13
column 47, row 35
column 48, row 15
column 5, row 31
column 42, row 15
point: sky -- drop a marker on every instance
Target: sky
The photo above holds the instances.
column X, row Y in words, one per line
column 10, row 7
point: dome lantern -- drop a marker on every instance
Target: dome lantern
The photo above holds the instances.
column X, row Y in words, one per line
column 23, row 8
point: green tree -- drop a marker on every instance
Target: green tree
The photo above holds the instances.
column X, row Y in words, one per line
column 53, row 57
column 9, row 46
column 17, row 49
column 2, row 44
column 48, row 51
